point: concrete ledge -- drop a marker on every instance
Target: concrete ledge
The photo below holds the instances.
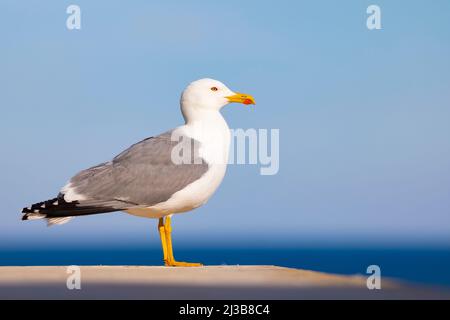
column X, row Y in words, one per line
column 210, row 282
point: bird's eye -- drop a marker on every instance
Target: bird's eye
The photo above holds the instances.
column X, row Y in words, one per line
column 214, row 89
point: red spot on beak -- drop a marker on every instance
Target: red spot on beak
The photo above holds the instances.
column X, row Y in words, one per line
column 247, row 101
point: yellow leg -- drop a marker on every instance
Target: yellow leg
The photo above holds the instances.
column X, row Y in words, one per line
column 162, row 235
column 165, row 232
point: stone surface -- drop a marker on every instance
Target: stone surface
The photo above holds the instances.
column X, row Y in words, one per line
column 210, row 282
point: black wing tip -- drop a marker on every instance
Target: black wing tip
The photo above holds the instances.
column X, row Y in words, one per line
column 39, row 208
column 27, row 213
column 27, row 210
column 59, row 208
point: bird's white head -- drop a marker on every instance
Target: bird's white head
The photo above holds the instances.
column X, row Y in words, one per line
column 210, row 95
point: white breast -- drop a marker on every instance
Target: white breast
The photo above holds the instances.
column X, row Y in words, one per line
column 214, row 136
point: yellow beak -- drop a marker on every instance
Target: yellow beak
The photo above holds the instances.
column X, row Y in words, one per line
column 241, row 98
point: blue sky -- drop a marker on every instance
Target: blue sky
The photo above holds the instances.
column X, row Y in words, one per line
column 363, row 115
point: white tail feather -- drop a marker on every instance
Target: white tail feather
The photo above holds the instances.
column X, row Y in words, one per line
column 35, row 216
column 59, row 220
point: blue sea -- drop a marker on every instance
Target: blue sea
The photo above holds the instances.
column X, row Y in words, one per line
column 426, row 266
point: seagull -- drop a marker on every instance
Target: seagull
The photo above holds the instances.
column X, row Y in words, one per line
column 174, row 172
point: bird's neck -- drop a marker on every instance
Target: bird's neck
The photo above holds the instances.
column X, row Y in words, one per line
column 211, row 130
column 192, row 113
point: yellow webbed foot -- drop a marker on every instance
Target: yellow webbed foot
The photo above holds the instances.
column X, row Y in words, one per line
column 182, row 264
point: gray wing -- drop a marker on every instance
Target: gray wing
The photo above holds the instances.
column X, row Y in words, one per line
column 142, row 175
